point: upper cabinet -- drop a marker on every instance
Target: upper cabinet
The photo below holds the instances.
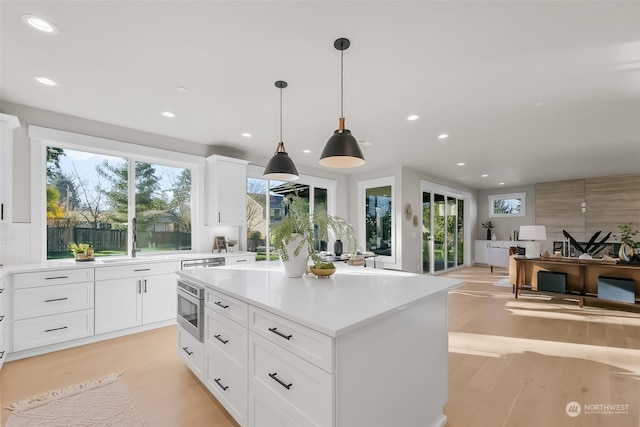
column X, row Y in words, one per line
column 227, row 190
column 8, row 123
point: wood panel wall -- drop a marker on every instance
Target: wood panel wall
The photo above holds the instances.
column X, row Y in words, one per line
column 608, row 202
column 559, row 207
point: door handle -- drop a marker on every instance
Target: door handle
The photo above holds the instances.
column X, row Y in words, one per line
column 145, row 286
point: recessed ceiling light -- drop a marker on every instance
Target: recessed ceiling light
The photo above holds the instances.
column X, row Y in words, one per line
column 247, row 135
column 460, row 164
column 540, row 103
column 364, row 142
column 443, row 136
column 413, row 117
column 181, row 89
column 306, row 151
column 168, row 114
column 45, row 81
column 484, row 175
column 39, row 24
column 501, row 183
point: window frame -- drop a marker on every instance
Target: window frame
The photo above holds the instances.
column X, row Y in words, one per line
column 493, row 198
column 42, row 137
column 362, row 188
column 256, row 172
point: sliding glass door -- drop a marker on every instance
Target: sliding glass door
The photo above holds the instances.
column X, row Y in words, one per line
column 443, row 240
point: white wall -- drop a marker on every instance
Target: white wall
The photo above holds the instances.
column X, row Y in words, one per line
column 504, row 226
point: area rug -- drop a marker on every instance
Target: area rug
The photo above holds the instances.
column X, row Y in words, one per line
column 101, row 402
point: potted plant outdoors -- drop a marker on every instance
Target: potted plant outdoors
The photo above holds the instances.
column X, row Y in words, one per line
column 627, row 244
column 488, row 225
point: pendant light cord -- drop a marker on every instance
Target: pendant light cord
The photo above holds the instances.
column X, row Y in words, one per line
column 342, row 83
column 280, row 114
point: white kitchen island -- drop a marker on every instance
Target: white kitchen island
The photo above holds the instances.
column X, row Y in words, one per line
column 363, row 348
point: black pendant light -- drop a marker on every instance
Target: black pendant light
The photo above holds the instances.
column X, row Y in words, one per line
column 281, row 167
column 342, row 149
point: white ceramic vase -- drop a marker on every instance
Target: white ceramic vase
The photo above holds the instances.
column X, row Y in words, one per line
column 296, row 266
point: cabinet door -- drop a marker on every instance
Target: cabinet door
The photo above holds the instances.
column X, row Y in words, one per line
column 160, row 300
column 7, row 124
column 118, row 304
column 228, row 191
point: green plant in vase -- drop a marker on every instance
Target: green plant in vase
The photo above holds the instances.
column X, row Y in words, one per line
column 488, row 225
column 627, row 244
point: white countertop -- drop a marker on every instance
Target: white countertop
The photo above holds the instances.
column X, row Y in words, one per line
column 62, row 264
column 352, row 297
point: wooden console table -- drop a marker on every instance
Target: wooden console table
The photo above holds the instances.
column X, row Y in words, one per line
column 582, row 275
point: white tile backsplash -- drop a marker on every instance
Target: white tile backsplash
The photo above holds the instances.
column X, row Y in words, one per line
column 14, row 243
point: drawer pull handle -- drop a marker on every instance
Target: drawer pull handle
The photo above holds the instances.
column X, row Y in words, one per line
column 277, row 332
column 224, row 388
column 142, row 269
column 56, row 329
column 220, row 339
column 186, row 350
column 55, row 299
column 57, row 277
column 241, row 260
column 279, row 381
column 220, row 304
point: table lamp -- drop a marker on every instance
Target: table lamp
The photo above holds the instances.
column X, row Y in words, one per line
column 532, row 234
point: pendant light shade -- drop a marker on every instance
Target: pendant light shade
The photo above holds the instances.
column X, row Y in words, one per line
column 342, row 149
column 281, row 167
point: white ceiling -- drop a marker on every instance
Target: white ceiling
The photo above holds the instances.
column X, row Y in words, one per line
column 474, row 70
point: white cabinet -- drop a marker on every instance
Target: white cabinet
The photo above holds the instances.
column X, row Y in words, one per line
column 134, row 295
column 227, row 190
column 51, row 307
column 7, row 124
column 247, row 258
column 192, row 352
column 481, row 248
column 3, row 321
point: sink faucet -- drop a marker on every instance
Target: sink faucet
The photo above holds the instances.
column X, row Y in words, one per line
column 134, row 238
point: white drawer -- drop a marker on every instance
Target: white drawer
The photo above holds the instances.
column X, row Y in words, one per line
column 230, row 307
column 298, row 386
column 52, row 277
column 132, row 269
column 240, row 259
column 192, row 352
column 265, row 413
column 311, row 345
column 30, row 333
column 227, row 337
column 46, row 300
column 227, row 385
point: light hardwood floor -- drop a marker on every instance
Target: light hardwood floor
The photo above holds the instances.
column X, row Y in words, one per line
column 511, row 363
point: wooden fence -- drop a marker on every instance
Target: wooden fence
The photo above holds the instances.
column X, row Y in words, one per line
column 112, row 240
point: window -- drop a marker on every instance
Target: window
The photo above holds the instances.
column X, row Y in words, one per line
column 376, row 228
column 507, row 204
column 91, row 195
column 267, row 207
column 88, row 202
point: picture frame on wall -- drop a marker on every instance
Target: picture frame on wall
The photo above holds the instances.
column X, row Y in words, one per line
column 219, row 243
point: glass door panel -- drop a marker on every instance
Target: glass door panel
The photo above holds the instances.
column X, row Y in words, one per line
column 427, row 241
column 439, row 232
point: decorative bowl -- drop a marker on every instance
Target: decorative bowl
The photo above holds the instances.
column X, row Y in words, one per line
column 322, row 272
